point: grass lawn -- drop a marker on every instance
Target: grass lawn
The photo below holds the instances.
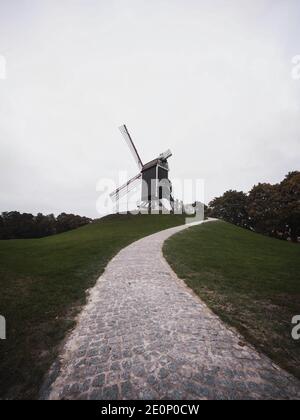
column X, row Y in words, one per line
column 252, row 282
column 43, row 284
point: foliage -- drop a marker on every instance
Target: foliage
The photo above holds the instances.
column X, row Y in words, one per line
column 269, row 209
column 290, row 211
column 231, row 207
column 15, row 225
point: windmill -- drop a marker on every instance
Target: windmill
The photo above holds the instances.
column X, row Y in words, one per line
column 156, row 187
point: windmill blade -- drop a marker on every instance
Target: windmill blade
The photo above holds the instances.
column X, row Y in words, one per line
column 125, row 192
column 124, row 189
column 131, row 146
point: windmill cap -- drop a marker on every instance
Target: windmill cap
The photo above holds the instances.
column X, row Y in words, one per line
column 165, row 155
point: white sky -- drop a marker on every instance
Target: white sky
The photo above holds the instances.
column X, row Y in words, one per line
column 210, row 79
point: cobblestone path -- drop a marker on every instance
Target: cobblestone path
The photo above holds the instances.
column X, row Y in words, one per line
column 145, row 335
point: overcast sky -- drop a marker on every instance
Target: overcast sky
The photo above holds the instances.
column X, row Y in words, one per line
column 210, row 79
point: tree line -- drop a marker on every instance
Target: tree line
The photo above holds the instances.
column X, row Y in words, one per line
column 15, row 225
column 269, row 209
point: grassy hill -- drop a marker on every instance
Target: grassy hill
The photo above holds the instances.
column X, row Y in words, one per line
column 43, row 284
column 251, row 281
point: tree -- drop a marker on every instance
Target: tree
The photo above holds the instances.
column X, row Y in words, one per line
column 45, row 225
column 17, row 225
column 263, row 208
column 67, row 222
column 1, row 228
column 275, row 209
column 290, row 204
column 14, row 225
column 269, row 209
column 231, row 207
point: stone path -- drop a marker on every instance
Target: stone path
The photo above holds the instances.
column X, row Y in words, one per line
column 145, row 335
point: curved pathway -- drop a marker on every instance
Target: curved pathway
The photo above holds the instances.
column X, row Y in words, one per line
column 145, row 335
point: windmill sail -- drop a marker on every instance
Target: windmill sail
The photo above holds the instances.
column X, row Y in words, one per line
column 124, row 189
column 131, row 146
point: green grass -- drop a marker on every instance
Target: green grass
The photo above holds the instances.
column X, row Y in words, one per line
column 43, row 284
column 252, row 282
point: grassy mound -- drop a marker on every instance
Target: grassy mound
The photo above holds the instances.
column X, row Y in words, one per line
column 252, row 282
